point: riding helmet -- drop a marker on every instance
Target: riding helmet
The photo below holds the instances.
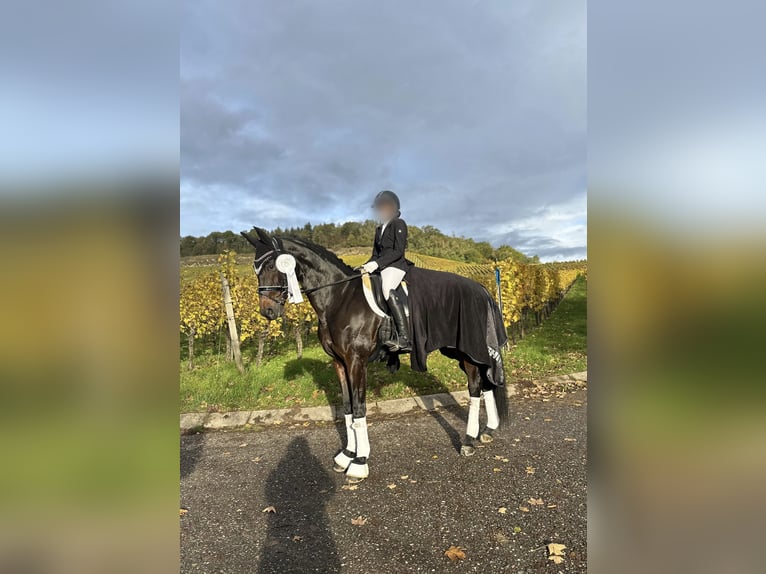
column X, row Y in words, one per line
column 386, row 197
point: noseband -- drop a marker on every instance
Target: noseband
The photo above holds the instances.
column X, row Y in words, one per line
column 266, row 290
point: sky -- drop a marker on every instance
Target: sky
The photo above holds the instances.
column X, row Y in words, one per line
column 474, row 113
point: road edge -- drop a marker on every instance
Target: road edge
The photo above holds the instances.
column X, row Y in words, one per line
column 237, row 419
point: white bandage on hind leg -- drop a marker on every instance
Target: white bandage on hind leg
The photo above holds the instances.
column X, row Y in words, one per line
column 362, row 440
column 473, row 417
column 350, row 435
column 493, row 421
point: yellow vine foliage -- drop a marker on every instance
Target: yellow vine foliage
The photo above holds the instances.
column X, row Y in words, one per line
column 523, row 286
column 201, row 306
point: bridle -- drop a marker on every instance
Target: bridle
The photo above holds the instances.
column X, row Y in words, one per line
column 266, row 290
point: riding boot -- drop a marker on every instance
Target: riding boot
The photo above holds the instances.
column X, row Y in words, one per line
column 396, row 306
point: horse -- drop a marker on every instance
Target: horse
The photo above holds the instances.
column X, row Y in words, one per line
column 348, row 331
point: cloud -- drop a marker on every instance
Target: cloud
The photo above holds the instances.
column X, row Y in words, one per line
column 473, row 112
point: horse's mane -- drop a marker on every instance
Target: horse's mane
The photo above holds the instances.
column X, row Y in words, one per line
column 323, row 252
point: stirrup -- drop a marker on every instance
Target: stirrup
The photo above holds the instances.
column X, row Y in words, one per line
column 396, row 346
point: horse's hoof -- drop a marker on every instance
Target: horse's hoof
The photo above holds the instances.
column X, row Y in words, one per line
column 358, row 471
column 341, row 462
column 467, row 450
column 350, row 480
column 485, row 438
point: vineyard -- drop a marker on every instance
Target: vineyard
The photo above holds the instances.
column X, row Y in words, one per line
column 528, row 293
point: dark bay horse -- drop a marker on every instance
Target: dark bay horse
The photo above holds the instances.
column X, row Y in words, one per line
column 348, row 333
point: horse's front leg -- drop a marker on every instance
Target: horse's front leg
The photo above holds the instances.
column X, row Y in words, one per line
column 357, row 372
column 343, row 459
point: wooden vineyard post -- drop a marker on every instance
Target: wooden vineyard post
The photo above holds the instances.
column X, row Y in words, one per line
column 233, row 335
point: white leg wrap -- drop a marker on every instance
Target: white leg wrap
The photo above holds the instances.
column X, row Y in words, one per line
column 350, row 435
column 473, row 417
column 362, row 440
column 493, row 421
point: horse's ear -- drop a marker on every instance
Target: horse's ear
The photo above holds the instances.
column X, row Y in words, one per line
column 250, row 239
column 263, row 235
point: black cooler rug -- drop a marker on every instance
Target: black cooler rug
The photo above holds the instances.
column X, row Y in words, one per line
column 452, row 312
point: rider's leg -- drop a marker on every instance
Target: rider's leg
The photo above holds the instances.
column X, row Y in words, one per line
column 391, row 279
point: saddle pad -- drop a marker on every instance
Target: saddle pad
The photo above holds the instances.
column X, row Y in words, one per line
column 373, row 294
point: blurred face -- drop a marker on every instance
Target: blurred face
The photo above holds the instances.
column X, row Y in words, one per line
column 385, row 211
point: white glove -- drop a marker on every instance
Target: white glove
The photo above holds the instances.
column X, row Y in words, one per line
column 370, row 266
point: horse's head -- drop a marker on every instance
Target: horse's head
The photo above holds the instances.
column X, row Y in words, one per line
column 272, row 284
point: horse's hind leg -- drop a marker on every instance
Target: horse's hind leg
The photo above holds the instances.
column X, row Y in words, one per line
column 348, row 454
column 493, row 420
column 474, row 390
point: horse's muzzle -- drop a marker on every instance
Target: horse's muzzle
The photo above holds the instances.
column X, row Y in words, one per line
column 270, row 313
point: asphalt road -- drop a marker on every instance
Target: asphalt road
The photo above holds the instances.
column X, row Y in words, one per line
column 421, row 497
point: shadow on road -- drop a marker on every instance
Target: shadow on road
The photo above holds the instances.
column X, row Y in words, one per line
column 299, row 537
column 325, row 378
column 191, row 452
column 455, row 436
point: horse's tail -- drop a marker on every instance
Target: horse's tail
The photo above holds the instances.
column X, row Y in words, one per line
column 501, row 400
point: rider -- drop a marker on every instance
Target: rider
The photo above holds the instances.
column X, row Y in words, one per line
column 388, row 258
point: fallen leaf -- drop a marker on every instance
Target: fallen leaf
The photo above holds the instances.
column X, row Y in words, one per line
column 243, row 445
column 413, row 481
column 306, row 424
column 257, row 459
column 516, row 529
column 498, row 457
column 297, row 538
column 359, row 521
column 497, row 469
column 392, row 486
column 506, row 460
column 500, row 538
column 226, row 454
column 270, row 509
column 434, row 457
column 517, row 440
column 183, row 511
column 524, row 508
column 404, row 476
column 547, row 420
column 530, row 470
column 551, row 506
column 349, row 487
column 570, row 439
column 536, row 501
column 502, row 510
column 455, row 553
column 556, row 552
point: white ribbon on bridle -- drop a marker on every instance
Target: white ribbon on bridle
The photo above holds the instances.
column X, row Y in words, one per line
column 286, row 264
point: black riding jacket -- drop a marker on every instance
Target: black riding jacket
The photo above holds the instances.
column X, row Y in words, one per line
column 388, row 249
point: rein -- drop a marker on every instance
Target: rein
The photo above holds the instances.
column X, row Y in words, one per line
column 344, row 280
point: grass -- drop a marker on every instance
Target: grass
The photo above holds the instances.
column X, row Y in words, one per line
column 557, row 347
